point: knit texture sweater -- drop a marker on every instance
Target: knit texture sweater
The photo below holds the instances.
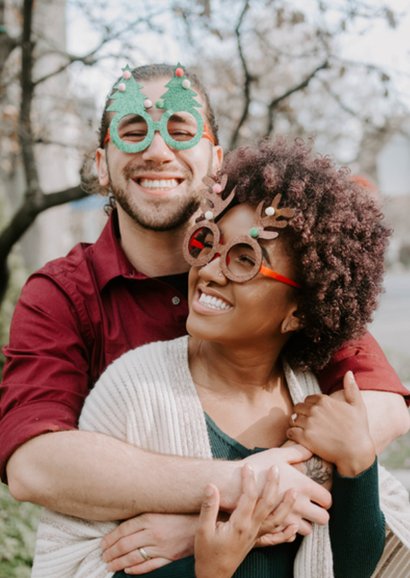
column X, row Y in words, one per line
column 148, row 398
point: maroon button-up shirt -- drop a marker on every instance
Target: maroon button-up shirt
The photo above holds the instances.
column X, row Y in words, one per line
column 79, row 313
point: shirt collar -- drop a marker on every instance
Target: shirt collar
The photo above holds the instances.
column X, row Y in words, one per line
column 109, row 259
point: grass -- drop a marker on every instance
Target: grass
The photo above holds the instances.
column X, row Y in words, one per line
column 18, row 524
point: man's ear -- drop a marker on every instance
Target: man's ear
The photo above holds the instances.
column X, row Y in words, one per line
column 292, row 322
column 217, row 158
column 102, row 168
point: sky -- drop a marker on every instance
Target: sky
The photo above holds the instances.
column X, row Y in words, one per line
column 375, row 43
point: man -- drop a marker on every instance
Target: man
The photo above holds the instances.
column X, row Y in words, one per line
column 79, row 313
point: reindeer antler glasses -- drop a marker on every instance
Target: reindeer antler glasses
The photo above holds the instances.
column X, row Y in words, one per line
column 240, row 259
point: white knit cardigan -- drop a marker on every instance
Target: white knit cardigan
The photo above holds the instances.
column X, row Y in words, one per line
column 147, row 397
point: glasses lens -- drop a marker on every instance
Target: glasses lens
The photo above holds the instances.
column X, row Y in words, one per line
column 201, row 244
column 242, row 262
column 132, row 129
column 182, row 127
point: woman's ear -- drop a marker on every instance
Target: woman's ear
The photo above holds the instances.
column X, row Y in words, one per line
column 102, row 168
column 292, row 322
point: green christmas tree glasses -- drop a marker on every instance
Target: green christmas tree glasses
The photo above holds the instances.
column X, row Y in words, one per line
column 132, row 128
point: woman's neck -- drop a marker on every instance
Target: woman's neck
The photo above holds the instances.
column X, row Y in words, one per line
column 226, row 369
column 243, row 390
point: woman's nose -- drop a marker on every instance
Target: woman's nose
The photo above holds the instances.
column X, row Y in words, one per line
column 212, row 271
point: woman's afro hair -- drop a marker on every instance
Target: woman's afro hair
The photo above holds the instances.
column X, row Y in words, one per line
column 337, row 240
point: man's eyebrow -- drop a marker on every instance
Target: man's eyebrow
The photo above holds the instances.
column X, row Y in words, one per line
column 131, row 119
column 179, row 118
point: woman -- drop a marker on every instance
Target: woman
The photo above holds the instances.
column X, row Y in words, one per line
column 286, row 265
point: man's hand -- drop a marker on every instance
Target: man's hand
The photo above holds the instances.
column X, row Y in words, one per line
column 311, row 501
column 335, row 430
column 160, row 537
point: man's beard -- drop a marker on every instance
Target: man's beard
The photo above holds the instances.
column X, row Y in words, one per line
column 179, row 217
column 166, row 219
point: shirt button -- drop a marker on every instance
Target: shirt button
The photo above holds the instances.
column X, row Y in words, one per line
column 176, row 300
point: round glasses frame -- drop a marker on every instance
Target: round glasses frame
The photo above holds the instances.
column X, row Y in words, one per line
column 222, row 251
column 160, row 126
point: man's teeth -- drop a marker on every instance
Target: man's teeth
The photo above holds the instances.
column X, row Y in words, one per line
column 213, row 302
column 159, row 183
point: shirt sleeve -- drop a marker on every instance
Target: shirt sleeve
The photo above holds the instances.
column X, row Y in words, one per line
column 357, row 527
column 366, row 359
column 45, row 378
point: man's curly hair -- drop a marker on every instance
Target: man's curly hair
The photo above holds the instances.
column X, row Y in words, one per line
column 337, row 240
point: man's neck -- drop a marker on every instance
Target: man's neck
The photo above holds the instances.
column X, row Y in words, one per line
column 154, row 253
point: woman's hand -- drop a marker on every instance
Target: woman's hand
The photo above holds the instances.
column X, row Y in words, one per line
column 149, row 541
column 220, row 547
column 335, row 430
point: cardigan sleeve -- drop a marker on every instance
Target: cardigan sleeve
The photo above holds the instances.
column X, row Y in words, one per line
column 105, row 408
column 357, row 527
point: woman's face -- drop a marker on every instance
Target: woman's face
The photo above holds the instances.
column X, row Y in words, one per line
column 259, row 310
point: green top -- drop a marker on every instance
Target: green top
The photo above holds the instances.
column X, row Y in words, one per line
column 356, row 526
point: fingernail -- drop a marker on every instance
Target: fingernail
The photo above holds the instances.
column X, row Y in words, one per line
column 350, row 376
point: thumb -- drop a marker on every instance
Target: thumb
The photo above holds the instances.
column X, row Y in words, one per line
column 209, row 508
column 351, row 389
column 295, row 453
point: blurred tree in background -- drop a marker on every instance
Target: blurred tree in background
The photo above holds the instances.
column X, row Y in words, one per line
column 271, row 66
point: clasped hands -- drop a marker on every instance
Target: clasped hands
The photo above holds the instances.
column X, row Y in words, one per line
column 274, row 504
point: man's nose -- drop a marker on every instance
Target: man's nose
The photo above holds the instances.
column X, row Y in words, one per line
column 158, row 150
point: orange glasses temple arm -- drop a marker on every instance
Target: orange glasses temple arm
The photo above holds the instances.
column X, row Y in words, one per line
column 269, row 273
column 208, row 134
column 107, row 137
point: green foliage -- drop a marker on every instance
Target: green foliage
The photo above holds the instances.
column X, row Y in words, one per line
column 404, row 255
column 397, row 455
column 18, row 524
column 17, row 278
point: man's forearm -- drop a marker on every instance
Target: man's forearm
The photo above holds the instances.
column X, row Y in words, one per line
column 387, row 414
column 94, row 476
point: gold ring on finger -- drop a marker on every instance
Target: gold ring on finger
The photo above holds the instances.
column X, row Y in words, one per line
column 144, row 554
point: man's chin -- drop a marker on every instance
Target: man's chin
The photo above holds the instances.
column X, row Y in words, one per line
column 163, row 223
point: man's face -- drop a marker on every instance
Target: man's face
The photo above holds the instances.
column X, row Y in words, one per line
column 158, row 187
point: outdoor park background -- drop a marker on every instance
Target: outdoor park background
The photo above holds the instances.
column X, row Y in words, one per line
column 336, row 70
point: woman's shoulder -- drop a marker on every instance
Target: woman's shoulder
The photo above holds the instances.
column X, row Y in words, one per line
column 152, row 353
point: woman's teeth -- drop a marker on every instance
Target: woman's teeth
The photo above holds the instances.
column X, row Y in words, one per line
column 213, row 302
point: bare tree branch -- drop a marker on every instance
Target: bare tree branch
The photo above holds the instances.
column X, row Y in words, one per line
column 299, row 86
column 22, row 221
column 91, row 57
column 247, row 78
column 29, row 210
column 27, row 91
